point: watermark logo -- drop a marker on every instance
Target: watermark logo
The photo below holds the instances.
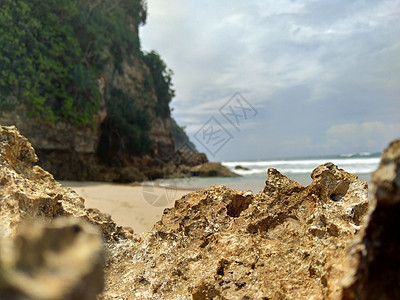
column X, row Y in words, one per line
column 157, row 199
column 237, row 110
column 212, row 136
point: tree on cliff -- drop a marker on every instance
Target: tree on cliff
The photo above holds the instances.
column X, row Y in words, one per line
column 124, row 131
column 161, row 78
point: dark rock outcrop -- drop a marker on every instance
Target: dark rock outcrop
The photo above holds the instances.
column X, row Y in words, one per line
column 211, row 169
column 189, row 158
column 60, row 136
column 374, row 264
column 70, row 153
column 69, row 165
column 239, row 167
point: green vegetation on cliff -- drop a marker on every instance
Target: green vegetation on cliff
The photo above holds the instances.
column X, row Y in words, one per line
column 52, row 53
column 59, row 59
column 40, row 59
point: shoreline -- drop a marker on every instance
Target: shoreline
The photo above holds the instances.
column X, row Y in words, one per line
column 140, row 205
column 137, row 207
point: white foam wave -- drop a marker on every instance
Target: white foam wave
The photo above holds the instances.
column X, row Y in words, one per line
column 337, row 161
column 250, row 172
column 352, row 165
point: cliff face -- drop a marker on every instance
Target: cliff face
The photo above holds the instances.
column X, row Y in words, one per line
column 71, row 152
column 102, row 151
column 59, row 136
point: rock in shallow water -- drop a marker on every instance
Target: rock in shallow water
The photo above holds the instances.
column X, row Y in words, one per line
column 211, row 169
column 286, row 242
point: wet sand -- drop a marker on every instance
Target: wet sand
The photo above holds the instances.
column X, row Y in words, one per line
column 138, row 207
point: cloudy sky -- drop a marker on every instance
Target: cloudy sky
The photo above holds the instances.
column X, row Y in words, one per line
column 314, row 77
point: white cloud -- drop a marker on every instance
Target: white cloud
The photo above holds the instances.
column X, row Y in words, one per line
column 368, row 136
column 316, row 68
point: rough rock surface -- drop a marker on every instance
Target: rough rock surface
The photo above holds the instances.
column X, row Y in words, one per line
column 59, row 136
column 374, row 263
column 70, row 249
column 286, row 242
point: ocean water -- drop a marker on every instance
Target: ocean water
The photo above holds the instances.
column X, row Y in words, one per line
column 254, row 173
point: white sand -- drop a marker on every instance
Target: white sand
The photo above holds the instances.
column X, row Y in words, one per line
column 138, row 207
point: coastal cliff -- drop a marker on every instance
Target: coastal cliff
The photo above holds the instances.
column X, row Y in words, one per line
column 77, row 84
column 322, row 241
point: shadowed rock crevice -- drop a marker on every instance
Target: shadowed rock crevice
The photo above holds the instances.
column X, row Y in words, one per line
column 331, row 181
column 237, row 205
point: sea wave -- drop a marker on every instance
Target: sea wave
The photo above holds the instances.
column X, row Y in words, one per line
column 302, row 166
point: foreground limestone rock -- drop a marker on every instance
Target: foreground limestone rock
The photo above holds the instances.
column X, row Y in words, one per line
column 61, row 260
column 374, row 263
column 28, row 192
column 286, row 242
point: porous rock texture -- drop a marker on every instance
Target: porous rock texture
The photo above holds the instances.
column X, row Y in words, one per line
column 43, row 256
column 286, row 242
column 374, row 262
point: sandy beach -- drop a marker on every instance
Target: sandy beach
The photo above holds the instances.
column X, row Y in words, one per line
column 138, row 207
